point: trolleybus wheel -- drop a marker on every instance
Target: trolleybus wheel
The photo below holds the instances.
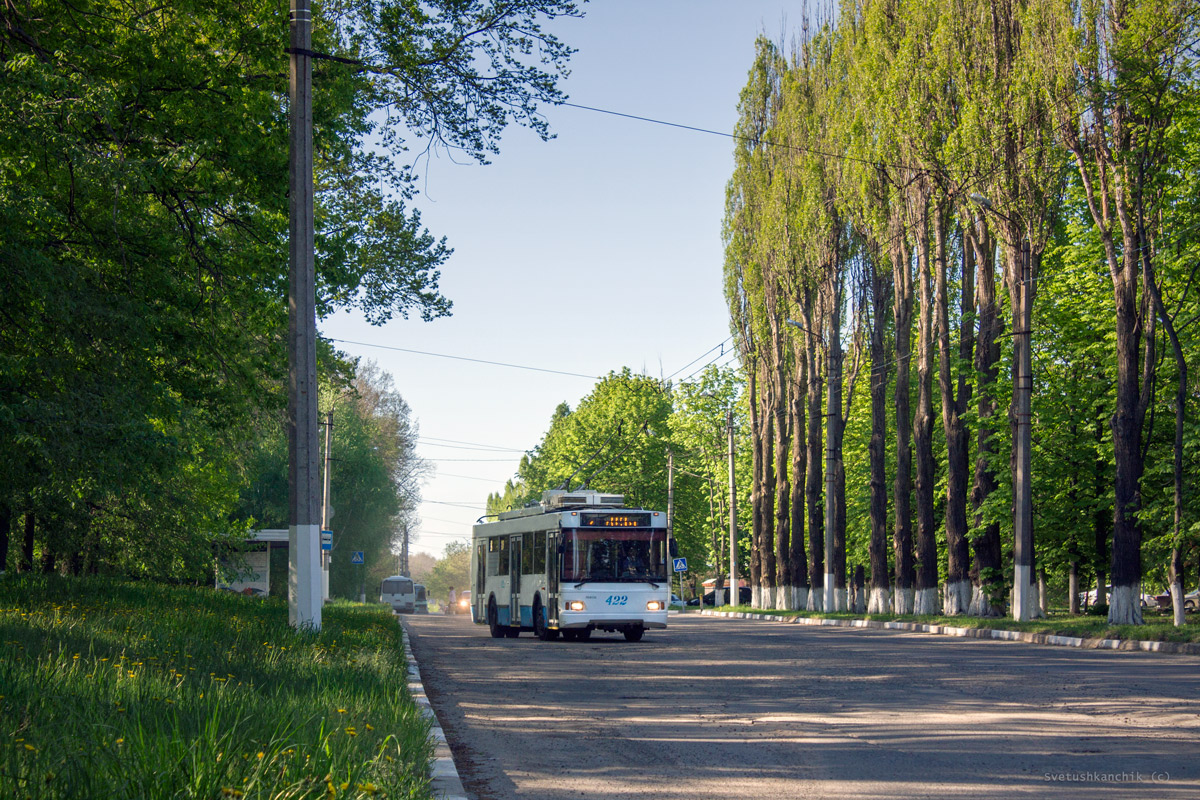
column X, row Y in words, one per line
column 540, row 628
column 634, row 634
column 493, row 622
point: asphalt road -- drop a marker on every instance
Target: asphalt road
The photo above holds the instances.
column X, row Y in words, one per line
column 717, row 708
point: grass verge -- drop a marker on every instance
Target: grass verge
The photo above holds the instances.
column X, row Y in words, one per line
column 1157, row 628
column 139, row 690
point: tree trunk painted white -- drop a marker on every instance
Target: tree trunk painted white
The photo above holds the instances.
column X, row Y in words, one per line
column 799, row 597
column 718, row 597
column 840, row 597
column 816, row 600
column 1043, row 594
column 926, row 602
column 981, row 604
column 905, row 600
column 1125, row 605
column 880, row 603
column 1177, row 603
column 957, row 598
column 756, row 597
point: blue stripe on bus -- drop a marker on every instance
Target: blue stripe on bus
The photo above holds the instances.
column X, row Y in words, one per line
column 526, row 617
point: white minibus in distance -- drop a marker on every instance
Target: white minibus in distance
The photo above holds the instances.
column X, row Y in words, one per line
column 400, row 593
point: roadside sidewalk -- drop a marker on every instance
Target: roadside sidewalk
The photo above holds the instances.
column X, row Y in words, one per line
column 445, row 781
column 1185, row 648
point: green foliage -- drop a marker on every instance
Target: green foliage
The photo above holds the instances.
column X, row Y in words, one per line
column 141, row 690
column 143, row 168
column 453, row 570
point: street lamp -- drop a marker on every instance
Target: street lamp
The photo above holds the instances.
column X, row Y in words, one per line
column 1023, row 397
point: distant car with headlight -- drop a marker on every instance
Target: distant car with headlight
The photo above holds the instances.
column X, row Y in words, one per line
column 463, row 604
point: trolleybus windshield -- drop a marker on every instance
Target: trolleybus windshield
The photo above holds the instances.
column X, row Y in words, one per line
column 629, row 554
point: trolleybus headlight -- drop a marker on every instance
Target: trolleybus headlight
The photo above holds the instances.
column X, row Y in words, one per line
column 654, row 605
column 575, row 605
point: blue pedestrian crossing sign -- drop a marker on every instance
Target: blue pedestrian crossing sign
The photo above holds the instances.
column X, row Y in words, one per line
column 681, row 565
column 356, row 557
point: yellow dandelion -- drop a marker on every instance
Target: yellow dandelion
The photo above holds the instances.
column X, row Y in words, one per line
column 31, row 748
column 261, row 755
column 120, row 741
column 351, row 732
column 341, row 711
column 368, row 788
column 370, row 727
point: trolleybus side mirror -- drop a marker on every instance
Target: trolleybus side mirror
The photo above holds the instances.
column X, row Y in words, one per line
column 674, row 549
column 562, row 548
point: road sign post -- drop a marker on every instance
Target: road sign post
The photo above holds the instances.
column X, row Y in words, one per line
column 680, row 565
column 356, row 557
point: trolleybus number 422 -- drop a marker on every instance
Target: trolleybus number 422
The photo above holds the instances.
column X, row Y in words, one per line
column 575, row 563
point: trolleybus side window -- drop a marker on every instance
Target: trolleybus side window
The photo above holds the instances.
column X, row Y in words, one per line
column 498, row 555
column 527, row 554
column 539, row 553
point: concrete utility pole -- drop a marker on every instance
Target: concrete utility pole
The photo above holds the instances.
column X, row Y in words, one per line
column 733, row 581
column 304, row 534
column 832, row 416
column 404, row 553
column 1023, row 602
column 326, row 555
column 671, row 523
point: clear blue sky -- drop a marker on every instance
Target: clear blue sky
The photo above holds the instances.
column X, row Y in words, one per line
column 598, row 250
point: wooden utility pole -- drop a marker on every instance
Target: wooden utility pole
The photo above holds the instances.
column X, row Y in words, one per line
column 304, row 532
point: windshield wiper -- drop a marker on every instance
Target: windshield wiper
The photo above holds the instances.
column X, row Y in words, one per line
column 650, row 581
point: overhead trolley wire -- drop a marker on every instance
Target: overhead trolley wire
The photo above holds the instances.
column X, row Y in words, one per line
column 462, row 358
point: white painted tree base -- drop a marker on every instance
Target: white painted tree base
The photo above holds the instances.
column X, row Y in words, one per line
column 880, row 602
column 981, row 605
column 840, row 598
column 905, row 601
column 1177, row 604
column 1125, row 605
column 816, row 599
column 799, row 597
column 756, row 597
column 956, row 599
column 926, row 602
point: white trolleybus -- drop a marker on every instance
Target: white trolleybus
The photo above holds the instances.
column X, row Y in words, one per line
column 577, row 562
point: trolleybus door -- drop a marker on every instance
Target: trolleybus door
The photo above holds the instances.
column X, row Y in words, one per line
column 514, row 572
column 552, row 577
column 479, row 589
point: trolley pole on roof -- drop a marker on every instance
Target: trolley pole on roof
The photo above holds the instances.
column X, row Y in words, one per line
column 304, row 542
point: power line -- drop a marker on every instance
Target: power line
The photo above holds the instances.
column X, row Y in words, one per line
column 463, row 358
column 474, row 460
column 738, row 137
column 477, row 444
column 697, row 358
column 465, row 477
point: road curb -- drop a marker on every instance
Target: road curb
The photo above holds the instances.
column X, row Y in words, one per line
column 1178, row 648
column 444, row 780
